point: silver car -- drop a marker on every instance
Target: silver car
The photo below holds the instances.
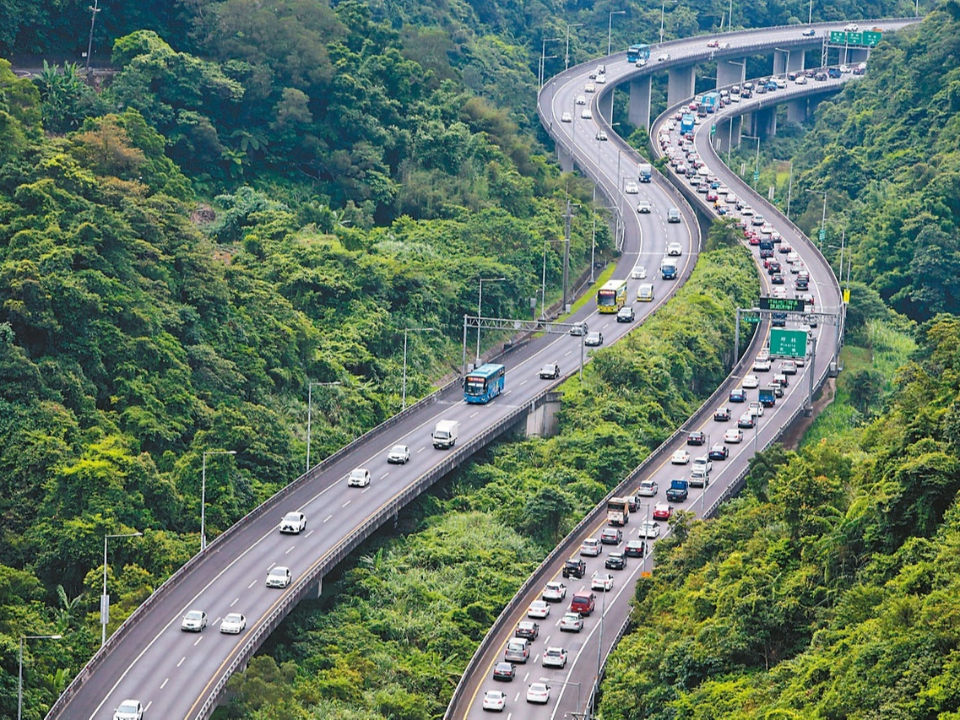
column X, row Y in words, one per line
column 399, row 454
column 194, row 621
column 279, row 577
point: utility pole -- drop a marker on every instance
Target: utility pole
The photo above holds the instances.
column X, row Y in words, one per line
column 93, row 19
column 566, row 259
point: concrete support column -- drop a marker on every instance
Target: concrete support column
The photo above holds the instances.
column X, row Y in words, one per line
column 728, row 133
column 796, row 60
column 780, row 61
column 797, row 111
column 766, row 122
column 639, row 108
column 729, row 73
column 565, row 159
column 605, row 106
column 857, row 56
column 680, row 84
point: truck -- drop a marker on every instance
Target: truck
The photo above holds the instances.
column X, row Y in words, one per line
column 678, row 490
column 687, row 123
column 618, row 511
column 668, row 269
column 645, row 172
column 768, row 397
column 711, row 102
column 445, row 434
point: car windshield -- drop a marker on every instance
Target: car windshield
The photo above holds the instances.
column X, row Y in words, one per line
column 128, row 707
column 292, row 516
column 232, row 618
column 194, row 615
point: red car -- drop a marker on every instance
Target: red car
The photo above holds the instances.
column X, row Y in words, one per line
column 754, row 240
column 662, row 511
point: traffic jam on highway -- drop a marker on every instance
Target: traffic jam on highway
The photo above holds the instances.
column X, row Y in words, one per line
column 531, row 662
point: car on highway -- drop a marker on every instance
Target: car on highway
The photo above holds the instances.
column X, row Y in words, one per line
column 494, row 700
column 601, row 581
column 746, row 421
column 233, row 624
column 574, row 567
column 644, row 207
column 583, row 602
column 721, row 414
column 648, row 488
column 719, row 451
column 673, row 215
column 594, row 339
column 129, row 710
column 788, row 367
column 550, row 371
column 639, row 272
column 777, row 279
column 626, row 314
column 554, row 657
column 194, row 621
column 738, row 395
column 663, row 58
column 279, row 577
column 809, row 32
column 399, row 455
column 649, row 529
column 616, row 560
column 733, row 435
column 554, row 591
column 635, row 548
column 504, row 671
column 645, row 292
column 538, row 693
column 761, row 365
column 631, row 188
column 601, row 79
column 590, row 547
column 293, row 522
column 571, row 622
column 696, row 437
column 586, row 113
column 851, row 27
column 611, row 536
column 601, row 136
column 527, row 629
column 662, row 511
column 359, row 477
column 517, row 650
column 590, row 87
column 680, row 457
column 581, row 99
column 674, row 249
column 751, row 382
column 566, row 117
column 756, row 409
column 538, row 609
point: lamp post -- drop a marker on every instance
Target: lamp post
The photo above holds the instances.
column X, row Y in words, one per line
column 20, row 673
column 93, row 20
column 610, row 26
column 543, row 58
column 405, row 331
column 310, row 412
column 480, row 308
column 203, row 495
column 822, row 235
column 105, row 599
column 663, row 8
column 566, row 52
column 810, row 13
column 756, row 167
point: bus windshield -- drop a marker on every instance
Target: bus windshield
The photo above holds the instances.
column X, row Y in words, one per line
column 612, row 296
column 638, row 52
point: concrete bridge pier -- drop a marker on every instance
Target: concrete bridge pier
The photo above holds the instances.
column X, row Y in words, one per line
column 797, row 111
column 680, row 84
column 605, row 106
column 730, row 72
column 765, row 122
column 315, row 592
column 638, row 112
column 728, row 134
column 785, row 61
column 564, row 158
column 542, row 420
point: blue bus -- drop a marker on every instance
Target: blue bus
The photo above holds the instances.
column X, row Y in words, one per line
column 484, row 384
column 635, row 53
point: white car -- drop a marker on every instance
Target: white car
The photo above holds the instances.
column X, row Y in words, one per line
column 601, row 135
column 590, row 87
column 761, row 365
column 358, row 478
column 703, row 462
column 591, row 547
column 233, row 624
column 663, row 58
column 293, row 522
column 554, row 657
column 601, row 79
column 194, row 621
column 581, row 99
column 733, row 435
column 279, row 577
column 601, row 581
column 639, row 272
column 674, row 249
column 649, row 529
column 793, row 258
column 648, row 488
column 680, row 457
column 129, row 710
column 566, row 117
column 538, row 609
column 644, row 207
column 539, row 693
column 554, row 592
column 751, row 382
column 571, row 622
column 494, row 700
column 631, row 188
column 756, row 409
column 399, row 454
column 586, row 114
column 851, row 27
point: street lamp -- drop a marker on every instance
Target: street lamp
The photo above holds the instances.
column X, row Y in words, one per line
column 310, row 412
column 105, row 599
column 810, row 13
column 405, row 331
column 93, row 20
column 823, row 220
column 543, row 57
column 610, row 25
column 480, row 308
column 203, row 495
column 566, row 52
column 663, row 8
column 789, row 187
column 756, row 167
column 20, row 674
column 549, row 681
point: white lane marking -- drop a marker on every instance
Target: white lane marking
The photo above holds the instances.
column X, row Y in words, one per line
column 148, row 706
column 163, row 684
column 235, row 602
column 290, row 550
column 181, row 661
column 198, row 640
column 475, row 414
column 309, row 533
column 523, row 383
column 346, row 503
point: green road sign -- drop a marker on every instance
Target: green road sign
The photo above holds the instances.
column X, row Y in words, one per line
column 838, row 38
column 751, row 318
column 854, row 38
column 870, row 39
column 788, row 343
column 782, row 304
column 756, row 176
column 823, row 234
column 713, row 130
